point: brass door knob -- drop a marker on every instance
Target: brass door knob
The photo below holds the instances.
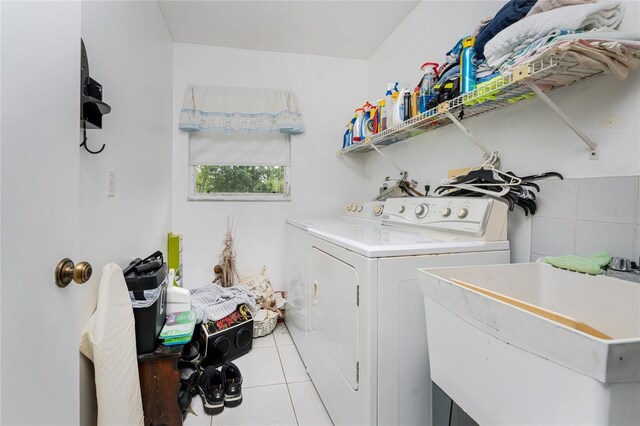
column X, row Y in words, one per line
column 67, row 271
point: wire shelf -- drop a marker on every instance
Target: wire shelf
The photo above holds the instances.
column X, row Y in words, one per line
column 548, row 74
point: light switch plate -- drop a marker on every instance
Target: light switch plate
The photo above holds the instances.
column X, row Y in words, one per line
column 111, row 183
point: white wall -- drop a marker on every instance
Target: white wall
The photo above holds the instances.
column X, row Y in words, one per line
column 328, row 90
column 529, row 137
column 130, row 53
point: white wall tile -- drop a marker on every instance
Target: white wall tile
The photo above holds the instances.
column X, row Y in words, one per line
column 294, row 370
column 308, row 405
column 557, row 198
column 535, row 256
column 263, row 405
column 519, row 234
column 261, row 367
column 610, row 199
column 552, row 236
column 613, row 238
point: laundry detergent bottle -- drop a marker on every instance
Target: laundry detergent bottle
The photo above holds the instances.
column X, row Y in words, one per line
column 368, row 120
column 398, row 106
column 381, row 115
column 387, row 119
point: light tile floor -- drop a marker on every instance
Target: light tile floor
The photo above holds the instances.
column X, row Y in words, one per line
column 276, row 390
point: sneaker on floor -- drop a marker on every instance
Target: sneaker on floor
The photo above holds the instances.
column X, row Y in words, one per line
column 232, row 384
column 189, row 373
column 184, row 397
column 211, row 388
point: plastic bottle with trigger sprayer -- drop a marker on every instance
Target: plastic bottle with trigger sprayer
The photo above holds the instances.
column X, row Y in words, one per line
column 398, row 106
column 429, row 78
column 357, row 126
column 367, row 120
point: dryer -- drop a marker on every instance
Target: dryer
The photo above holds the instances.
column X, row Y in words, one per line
column 296, row 271
column 366, row 339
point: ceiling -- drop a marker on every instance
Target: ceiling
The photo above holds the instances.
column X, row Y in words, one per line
column 348, row 29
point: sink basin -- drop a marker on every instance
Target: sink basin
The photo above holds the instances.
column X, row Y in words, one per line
column 504, row 364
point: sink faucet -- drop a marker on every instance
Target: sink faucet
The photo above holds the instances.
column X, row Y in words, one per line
column 625, row 269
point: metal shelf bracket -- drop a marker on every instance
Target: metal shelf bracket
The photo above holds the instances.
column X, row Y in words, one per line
column 594, row 153
column 467, row 133
column 389, row 160
column 351, row 163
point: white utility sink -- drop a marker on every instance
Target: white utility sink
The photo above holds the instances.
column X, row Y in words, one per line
column 504, row 364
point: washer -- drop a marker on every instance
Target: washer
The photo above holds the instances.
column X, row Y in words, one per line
column 366, row 340
column 296, row 271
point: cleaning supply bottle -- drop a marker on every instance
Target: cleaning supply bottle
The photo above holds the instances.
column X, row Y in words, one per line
column 357, row 125
column 388, row 106
column 381, row 115
column 429, row 79
column 467, row 67
column 367, row 120
column 414, row 101
column 398, row 106
column 406, row 105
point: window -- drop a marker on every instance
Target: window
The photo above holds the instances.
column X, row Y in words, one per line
column 239, row 166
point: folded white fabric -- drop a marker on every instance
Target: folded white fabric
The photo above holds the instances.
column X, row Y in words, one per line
column 546, row 5
column 213, row 302
column 584, row 16
column 109, row 340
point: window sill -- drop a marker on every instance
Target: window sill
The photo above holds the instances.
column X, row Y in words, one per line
column 239, row 197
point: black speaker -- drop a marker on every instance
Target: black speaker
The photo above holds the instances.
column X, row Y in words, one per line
column 226, row 339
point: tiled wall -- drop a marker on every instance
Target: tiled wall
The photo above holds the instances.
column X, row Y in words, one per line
column 584, row 216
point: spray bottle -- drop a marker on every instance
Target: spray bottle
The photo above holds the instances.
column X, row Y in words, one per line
column 357, row 126
column 429, row 78
column 467, row 67
column 398, row 106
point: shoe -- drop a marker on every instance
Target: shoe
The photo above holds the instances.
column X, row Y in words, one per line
column 211, row 389
column 189, row 373
column 232, row 385
column 184, row 397
column 191, row 353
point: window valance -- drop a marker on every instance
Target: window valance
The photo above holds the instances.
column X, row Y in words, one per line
column 240, row 110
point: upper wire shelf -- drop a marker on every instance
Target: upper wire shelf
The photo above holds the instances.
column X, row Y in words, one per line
column 548, row 73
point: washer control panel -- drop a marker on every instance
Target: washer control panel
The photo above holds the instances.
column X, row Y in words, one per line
column 479, row 217
column 364, row 210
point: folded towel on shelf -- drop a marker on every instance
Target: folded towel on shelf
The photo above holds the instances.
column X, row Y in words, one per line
column 615, row 57
column 531, row 28
column 509, row 14
column 592, row 266
column 547, row 5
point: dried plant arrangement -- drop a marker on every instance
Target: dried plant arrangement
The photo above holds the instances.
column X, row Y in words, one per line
column 225, row 270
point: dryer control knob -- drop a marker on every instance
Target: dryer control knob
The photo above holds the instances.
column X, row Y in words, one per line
column 351, row 207
column 359, row 208
column 377, row 210
column 445, row 211
column 401, row 209
column 421, row 210
column 462, row 213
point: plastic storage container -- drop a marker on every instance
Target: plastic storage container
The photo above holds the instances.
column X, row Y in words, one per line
column 147, row 283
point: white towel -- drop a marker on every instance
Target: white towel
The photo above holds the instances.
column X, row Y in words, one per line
column 109, row 340
column 584, row 16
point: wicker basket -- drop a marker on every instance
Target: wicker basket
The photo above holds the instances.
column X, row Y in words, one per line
column 262, row 328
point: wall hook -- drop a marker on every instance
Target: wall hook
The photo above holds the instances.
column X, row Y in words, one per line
column 84, row 141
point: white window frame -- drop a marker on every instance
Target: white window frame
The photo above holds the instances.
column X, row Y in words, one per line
column 239, row 196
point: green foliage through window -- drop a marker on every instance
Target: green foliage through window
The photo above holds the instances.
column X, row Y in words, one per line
column 239, row 179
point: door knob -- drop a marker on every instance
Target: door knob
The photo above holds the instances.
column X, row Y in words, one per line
column 67, row 271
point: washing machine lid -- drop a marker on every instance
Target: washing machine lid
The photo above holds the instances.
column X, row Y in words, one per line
column 305, row 224
column 389, row 241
